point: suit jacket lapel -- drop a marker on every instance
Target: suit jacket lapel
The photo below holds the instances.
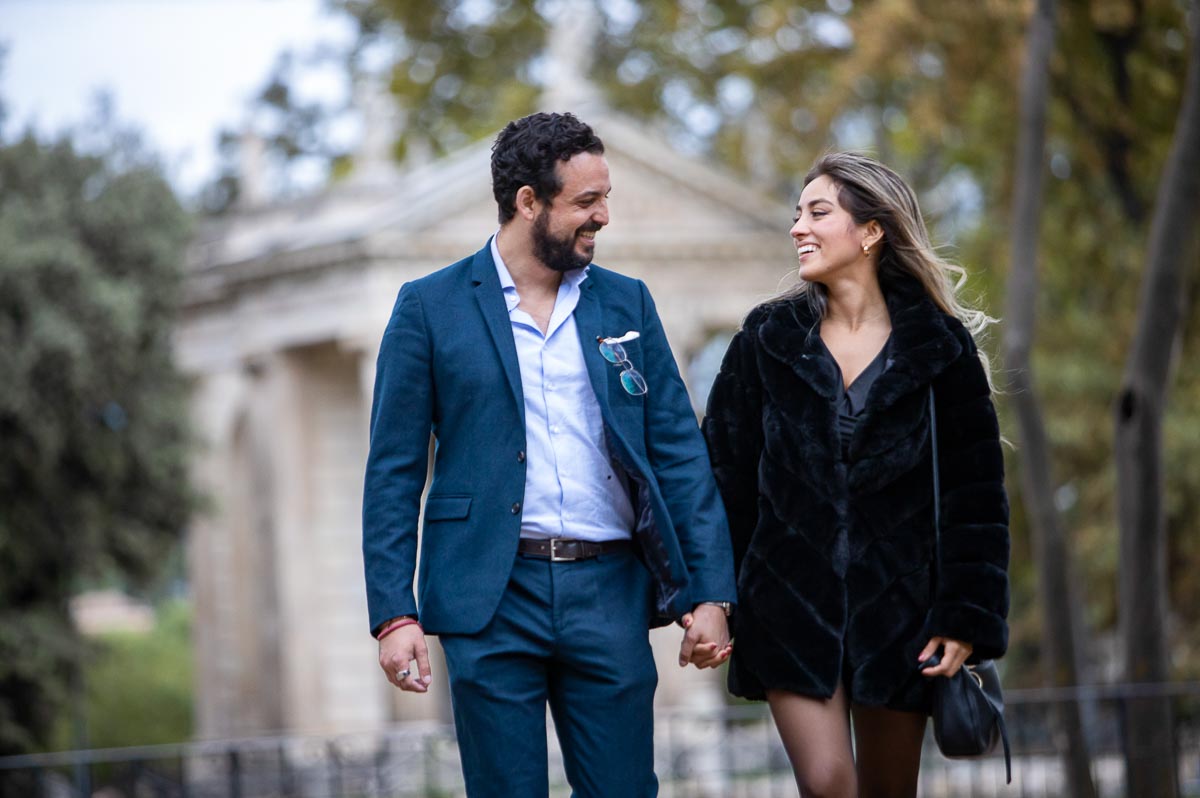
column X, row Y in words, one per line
column 490, row 297
column 589, row 323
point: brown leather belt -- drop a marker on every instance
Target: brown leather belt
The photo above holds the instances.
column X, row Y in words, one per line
column 567, row 549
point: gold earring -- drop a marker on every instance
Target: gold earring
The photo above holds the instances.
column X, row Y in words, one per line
column 866, row 250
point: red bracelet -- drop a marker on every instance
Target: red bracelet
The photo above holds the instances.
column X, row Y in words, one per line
column 402, row 622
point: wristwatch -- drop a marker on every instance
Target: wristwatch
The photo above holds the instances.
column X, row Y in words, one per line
column 725, row 605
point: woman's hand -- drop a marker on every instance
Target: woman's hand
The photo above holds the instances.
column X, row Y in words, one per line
column 706, row 637
column 954, row 654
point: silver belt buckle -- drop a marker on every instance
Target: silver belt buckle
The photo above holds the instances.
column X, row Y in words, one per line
column 554, row 556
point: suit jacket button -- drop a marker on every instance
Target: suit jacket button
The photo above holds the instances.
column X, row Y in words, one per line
column 520, row 457
column 516, row 508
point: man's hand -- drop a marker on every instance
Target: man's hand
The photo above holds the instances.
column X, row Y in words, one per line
column 706, row 637
column 954, row 654
column 397, row 653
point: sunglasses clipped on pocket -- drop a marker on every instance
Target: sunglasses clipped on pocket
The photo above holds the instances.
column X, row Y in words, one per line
column 611, row 349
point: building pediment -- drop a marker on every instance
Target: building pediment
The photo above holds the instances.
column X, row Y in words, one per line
column 663, row 203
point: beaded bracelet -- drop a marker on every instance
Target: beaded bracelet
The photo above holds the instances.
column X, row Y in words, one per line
column 402, row 622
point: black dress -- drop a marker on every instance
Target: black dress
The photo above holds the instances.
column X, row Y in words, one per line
column 853, row 400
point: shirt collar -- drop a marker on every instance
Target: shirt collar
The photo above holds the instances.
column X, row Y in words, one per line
column 572, row 278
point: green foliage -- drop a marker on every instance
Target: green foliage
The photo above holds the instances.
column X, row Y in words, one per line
column 93, row 475
column 139, row 685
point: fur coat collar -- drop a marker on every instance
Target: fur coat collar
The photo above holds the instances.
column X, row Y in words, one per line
column 923, row 344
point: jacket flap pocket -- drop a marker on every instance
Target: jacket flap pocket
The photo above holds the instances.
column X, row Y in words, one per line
column 442, row 508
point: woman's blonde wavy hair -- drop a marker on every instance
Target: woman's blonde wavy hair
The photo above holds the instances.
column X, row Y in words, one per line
column 869, row 190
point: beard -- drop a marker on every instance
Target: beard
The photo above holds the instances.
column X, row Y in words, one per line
column 558, row 253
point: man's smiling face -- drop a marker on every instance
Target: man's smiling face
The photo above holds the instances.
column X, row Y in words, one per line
column 564, row 232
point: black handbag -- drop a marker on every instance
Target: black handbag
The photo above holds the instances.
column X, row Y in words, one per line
column 968, row 708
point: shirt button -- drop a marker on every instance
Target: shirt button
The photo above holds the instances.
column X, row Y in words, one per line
column 516, row 508
column 520, row 457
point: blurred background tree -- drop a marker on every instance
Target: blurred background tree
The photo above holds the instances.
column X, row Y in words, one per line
column 296, row 133
column 1163, row 309
column 1058, row 592
column 93, row 468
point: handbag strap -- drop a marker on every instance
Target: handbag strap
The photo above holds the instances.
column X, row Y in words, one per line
column 937, row 559
column 937, row 495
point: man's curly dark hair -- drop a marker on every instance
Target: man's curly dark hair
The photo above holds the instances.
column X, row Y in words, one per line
column 526, row 151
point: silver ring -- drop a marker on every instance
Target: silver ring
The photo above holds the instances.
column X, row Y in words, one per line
column 404, row 674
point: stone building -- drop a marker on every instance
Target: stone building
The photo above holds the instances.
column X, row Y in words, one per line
column 285, row 307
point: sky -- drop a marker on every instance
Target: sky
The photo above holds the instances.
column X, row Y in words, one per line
column 179, row 70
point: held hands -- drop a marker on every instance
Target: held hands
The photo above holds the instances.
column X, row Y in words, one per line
column 706, row 637
column 399, row 652
column 954, row 654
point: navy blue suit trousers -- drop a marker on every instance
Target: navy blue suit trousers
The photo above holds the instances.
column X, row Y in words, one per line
column 573, row 634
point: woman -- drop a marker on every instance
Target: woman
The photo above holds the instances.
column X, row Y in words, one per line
column 818, row 428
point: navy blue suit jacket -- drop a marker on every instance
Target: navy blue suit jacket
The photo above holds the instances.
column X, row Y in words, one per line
column 448, row 363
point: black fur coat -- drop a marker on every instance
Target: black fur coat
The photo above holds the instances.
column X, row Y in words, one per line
column 834, row 557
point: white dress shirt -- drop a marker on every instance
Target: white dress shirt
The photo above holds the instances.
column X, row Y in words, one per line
column 571, row 488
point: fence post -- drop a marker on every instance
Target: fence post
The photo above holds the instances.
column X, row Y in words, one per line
column 381, row 757
column 285, row 770
column 235, row 774
column 724, row 743
column 335, row 773
column 430, row 768
column 184, row 790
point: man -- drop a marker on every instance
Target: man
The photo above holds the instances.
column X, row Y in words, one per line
column 572, row 505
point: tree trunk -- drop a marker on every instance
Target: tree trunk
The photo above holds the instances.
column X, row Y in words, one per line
column 1060, row 605
column 1149, row 736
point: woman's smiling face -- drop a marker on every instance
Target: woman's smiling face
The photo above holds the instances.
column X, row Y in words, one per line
column 826, row 237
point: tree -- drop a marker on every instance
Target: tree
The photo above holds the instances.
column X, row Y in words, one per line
column 1059, row 602
column 93, row 476
column 291, row 130
column 1149, row 733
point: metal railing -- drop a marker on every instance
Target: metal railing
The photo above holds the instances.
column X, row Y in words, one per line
column 726, row 752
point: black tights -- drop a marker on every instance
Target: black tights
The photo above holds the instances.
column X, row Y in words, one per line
column 883, row 762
